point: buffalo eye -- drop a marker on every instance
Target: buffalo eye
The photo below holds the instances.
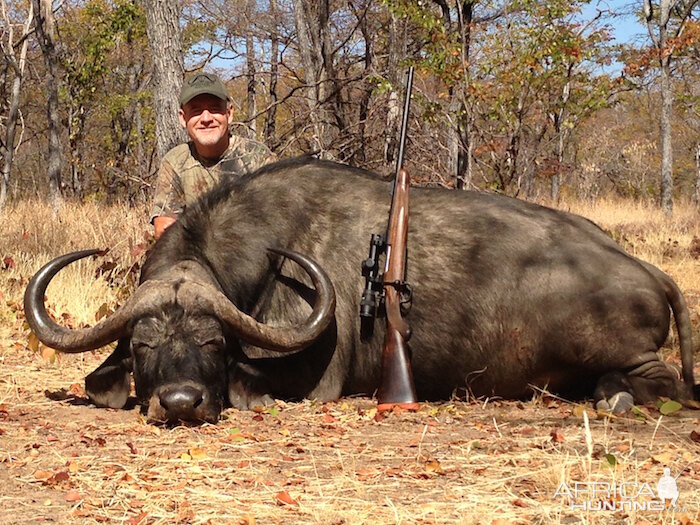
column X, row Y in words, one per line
column 213, row 344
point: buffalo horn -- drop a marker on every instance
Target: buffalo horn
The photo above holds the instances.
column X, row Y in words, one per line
column 82, row 340
column 280, row 339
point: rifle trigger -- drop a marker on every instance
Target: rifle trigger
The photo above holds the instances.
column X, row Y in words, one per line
column 406, row 297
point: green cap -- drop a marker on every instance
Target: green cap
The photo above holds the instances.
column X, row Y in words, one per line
column 202, row 84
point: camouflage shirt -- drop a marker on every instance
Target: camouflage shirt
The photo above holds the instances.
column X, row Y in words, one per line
column 183, row 176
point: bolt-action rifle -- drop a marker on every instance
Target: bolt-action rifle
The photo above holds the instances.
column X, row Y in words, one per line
column 390, row 288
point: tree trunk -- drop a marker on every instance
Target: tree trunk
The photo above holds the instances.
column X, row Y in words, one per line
column 696, row 191
column 270, row 127
column 326, row 108
column 397, row 50
column 251, row 107
column 666, row 144
column 13, row 113
column 43, row 24
column 560, row 131
column 310, row 35
column 76, row 127
column 454, row 139
column 165, row 42
column 358, row 157
column 661, row 44
column 556, row 178
column 462, row 163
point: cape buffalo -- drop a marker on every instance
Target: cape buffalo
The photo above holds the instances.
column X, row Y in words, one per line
column 507, row 295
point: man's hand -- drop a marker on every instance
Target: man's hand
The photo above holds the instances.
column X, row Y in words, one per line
column 160, row 224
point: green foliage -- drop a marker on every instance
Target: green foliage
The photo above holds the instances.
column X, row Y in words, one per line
column 441, row 50
column 98, row 29
column 669, row 407
column 611, row 460
column 521, row 74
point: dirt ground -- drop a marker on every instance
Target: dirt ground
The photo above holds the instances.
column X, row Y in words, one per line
column 63, row 460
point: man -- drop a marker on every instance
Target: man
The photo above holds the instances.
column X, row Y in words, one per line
column 188, row 170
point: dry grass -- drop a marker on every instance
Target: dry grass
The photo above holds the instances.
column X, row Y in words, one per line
column 645, row 232
column 489, row 461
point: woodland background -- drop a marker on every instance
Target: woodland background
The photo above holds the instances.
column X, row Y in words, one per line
column 524, row 97
column 527, row 98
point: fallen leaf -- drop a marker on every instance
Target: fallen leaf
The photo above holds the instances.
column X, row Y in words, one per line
column 132, row 448
column 363, row 474
column 665, row 458
column 138, row 249
column 197, row 453
column 434, row 467
column 557, row 435
column 73, row 495
column 42, row 475
column 612, row 460
column 670, row 407
column 76, row 389
column 48, row 354
column 283, row 498
column 103, row 311
column 695, row 436
column 33, row 342
column 579, row 410
column 60, row 477
column 135, row 520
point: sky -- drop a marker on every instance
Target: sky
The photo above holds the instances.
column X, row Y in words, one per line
column 626, row 28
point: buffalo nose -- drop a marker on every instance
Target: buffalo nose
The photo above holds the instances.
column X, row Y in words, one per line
column 181, row 402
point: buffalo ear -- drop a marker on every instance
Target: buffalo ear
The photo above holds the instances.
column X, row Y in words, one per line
column 110, row 383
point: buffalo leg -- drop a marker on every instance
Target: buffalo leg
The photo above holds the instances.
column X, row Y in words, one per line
column 247, row 387
column 110, row 383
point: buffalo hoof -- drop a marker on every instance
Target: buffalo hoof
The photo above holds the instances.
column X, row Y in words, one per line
column 243, row 400
column 108, row 386
column 248, row 387
column 619, row 403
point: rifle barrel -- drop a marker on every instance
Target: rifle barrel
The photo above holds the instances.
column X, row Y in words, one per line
column 404, row 119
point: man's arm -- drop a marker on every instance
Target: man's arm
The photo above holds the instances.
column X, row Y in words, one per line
column 161, row 223
column 167, row 201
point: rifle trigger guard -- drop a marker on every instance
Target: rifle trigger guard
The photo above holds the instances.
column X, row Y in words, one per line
column 405, row 294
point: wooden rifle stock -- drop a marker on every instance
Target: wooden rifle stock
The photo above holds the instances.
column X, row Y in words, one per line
column 396, row 388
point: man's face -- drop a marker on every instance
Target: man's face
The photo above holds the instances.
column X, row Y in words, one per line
column 206, row 119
